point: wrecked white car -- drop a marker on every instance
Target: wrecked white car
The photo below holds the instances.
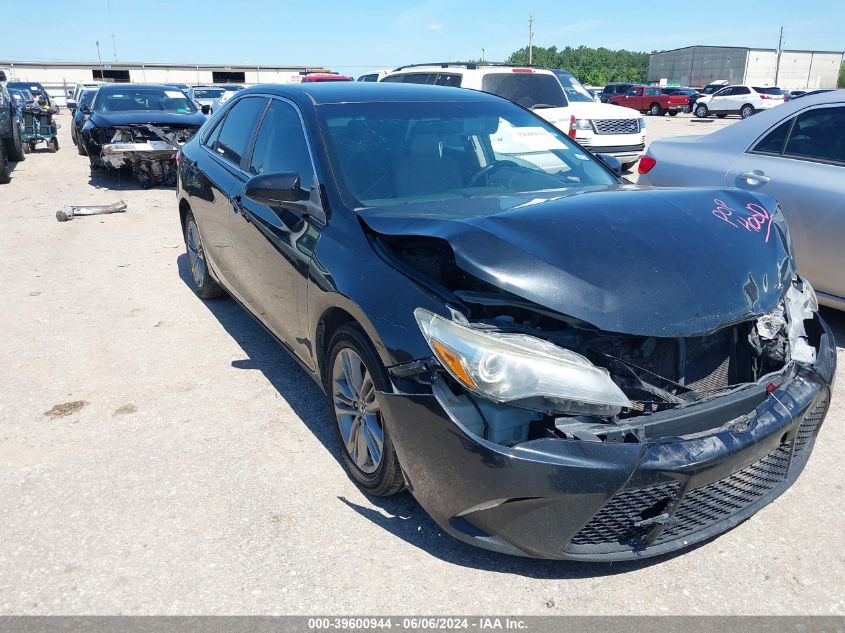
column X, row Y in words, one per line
column 140, row 127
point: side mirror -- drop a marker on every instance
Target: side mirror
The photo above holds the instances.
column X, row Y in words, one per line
column 85, row 109
column 611, row 162
column 282, row 189
column 206, row 109
column 274, row 190
column 71, row 104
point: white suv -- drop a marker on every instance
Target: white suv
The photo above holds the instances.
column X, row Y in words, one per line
column 558, row 98
column 742, row 100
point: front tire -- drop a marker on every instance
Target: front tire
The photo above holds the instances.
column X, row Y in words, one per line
column 204, row 285
column 746, row 111
column 701, row 111
column 353, row 375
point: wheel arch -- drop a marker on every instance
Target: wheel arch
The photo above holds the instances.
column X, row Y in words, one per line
column 332, row 319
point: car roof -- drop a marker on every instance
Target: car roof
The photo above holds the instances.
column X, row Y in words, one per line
column 367, row 92
column 119, row 87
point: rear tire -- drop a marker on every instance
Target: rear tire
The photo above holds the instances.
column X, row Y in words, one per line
column 53, row 145
column 5, row 174
column 655, row 110
column 746, row 111
column 14, row 146
column 673, row 113
column 204, row 285
column 701, row 111
column 353, row 375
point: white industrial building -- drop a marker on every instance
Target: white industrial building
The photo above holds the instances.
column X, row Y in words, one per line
column 55, row 76
column 701, row 65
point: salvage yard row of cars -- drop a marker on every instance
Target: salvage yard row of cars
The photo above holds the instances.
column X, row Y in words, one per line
column 555, row 362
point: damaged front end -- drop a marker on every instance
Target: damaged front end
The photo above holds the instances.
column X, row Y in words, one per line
column 148, row 150
column 531, row 431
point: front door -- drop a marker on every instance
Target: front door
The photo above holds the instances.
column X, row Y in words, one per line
column 273, row 246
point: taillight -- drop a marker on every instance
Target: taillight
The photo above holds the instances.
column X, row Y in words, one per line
column 179, row 157
column 646, row 164
column 572, row 126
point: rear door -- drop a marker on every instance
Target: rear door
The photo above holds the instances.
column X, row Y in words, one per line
column 801, row 162
column 274, row 247
column 210, row 183
column 740, row 96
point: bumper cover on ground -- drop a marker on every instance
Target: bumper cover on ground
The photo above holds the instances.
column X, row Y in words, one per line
column 554, row 498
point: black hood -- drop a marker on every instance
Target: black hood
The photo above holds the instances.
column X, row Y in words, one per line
column 641, row 261
column 111, row 119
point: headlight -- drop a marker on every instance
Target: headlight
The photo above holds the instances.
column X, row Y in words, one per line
column 801, row 304
column 521, row 369
column 642, row 123
column 583, row 124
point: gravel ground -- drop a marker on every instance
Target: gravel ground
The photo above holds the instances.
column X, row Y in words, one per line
column 161, row 455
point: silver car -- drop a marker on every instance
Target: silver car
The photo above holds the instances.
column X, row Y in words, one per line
column 796, row 153
column 207, row 95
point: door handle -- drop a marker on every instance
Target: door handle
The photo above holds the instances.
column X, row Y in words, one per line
column 238, row 207
column 756, row 176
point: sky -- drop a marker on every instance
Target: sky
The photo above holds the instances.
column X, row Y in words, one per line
column 354, row 37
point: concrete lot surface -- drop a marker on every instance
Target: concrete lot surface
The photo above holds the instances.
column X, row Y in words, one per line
column 159, row 454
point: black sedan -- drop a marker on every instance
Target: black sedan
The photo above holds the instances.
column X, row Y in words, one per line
column 138, row 127
column 554, row 363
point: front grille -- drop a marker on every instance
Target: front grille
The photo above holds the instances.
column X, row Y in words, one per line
column 616, row 126
column 809, row 425
column 708, row 361
column 615, row 524
column 726, row 497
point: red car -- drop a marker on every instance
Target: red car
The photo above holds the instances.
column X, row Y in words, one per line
column 652, row 100
column 315, row 77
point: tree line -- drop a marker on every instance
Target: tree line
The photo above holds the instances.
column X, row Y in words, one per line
column 592, row 66
column 842, row 76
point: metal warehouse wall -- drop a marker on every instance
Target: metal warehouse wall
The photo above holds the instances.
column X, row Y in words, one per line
column 698, row 65
column 761, row 68
column 801, row 70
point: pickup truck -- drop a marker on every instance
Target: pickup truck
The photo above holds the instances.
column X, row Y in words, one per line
column 652, row 100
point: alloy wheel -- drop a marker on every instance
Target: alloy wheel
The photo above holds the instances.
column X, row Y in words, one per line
column 356, row 411
column 196, row 257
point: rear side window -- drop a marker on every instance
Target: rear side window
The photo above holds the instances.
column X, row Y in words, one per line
column 818, row 135
column 526, row 89
column 393, row 79
column 652, row 92
column 281, row 145
column 237, row 129
column 774, row 141
column 742, row 90
column 448, row 79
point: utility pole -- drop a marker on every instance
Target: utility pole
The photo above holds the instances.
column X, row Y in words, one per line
column 111, row 23
column 482, row 54
column 780, row 50
column 530, row 39
column 100, row 59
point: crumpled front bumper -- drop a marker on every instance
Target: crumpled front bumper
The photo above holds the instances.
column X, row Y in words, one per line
column 570, row 499
column 121, row 154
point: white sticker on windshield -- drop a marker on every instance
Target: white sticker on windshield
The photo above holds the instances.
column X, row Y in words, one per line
column 174, row 94
column 581, row 157
column 537, row 139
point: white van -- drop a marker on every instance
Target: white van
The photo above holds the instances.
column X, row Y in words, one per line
column 554, row 95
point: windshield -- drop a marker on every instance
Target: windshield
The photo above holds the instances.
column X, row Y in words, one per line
column 143, row 99
column 208, row 93
column 528, row 89
column 87, row 97
column 394, row 153
column 573, row 88
column 769, row 91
